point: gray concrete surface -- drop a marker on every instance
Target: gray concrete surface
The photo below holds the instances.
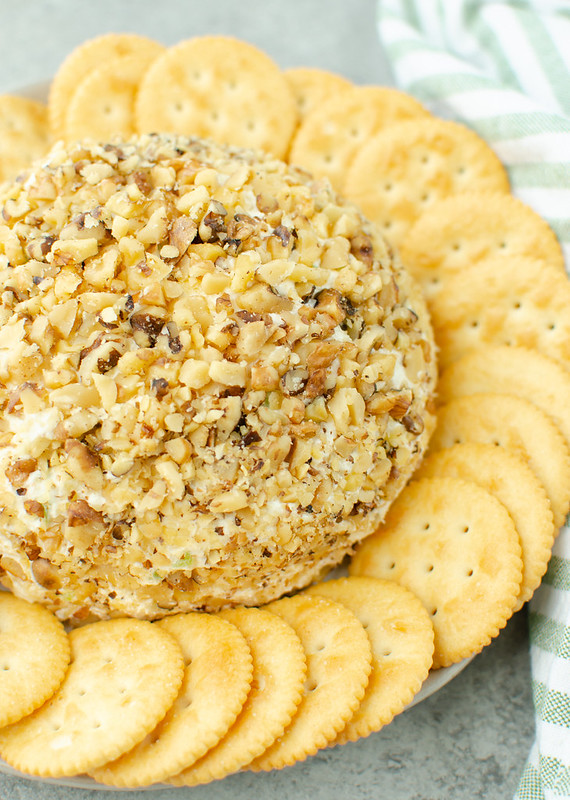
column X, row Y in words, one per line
column 471, row 739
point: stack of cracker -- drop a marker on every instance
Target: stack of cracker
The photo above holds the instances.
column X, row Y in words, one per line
column 467, row 541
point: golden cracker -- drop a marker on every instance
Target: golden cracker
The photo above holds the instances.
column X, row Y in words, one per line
column 34, row 656
column 102, row 106
column 312, row 86
column 401, row 636
column 329, row 138
column 518, row 425
column 401, row 172
column 339, row 661
column 506, row 476
column 515, row 301
column 104, row 705
column 279, row 671
column 82, row 60
column 459, row 232
column 220, row 88
column 527, row 373
column 455, row 546
column 217, row 679
column 23, row 134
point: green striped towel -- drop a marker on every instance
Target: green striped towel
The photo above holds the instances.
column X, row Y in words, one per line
column 504, row 69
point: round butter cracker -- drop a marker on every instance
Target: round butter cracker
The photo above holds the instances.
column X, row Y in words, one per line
column 102, row 106
column 329, row 137
column 401, row 637
column 217, row 678
column 34, row 656
column 528, row 374
column 506, row 476
column 279, row 670
column 23, row 134
column 80, row 62
column 516, row 424
column 123, row 676
column 220, row 88
column 517, row 301
column 339, row 661
column 455, row 546
column 312, row 86
column 400, row 172
column 461, row 231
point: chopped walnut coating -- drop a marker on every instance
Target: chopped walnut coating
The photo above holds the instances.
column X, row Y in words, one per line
column 214, row 378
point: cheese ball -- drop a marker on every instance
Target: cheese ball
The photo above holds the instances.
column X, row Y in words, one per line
column 215, row 376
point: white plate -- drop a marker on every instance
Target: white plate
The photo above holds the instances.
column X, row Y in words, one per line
column 435, row 681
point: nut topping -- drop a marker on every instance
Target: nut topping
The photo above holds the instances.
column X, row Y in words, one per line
column 214, row 377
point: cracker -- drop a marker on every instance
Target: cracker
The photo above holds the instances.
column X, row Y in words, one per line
column 401, row 636
column 527, row 373
column 311, row 86
column 216, row 681
column 506, row 476
column 515, row 301
column 329, row 138
column 401, row 172
column 220, row 88
column 81, row 61
column 279, row 671
column 461, row 231
column 124, row 675
column 103, row 104
column 339, row 661
column 517, row 425
column 455, row 546
column 23, row 134
column 34, row 656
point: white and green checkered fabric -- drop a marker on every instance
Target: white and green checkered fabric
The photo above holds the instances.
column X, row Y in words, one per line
column 504, row 69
